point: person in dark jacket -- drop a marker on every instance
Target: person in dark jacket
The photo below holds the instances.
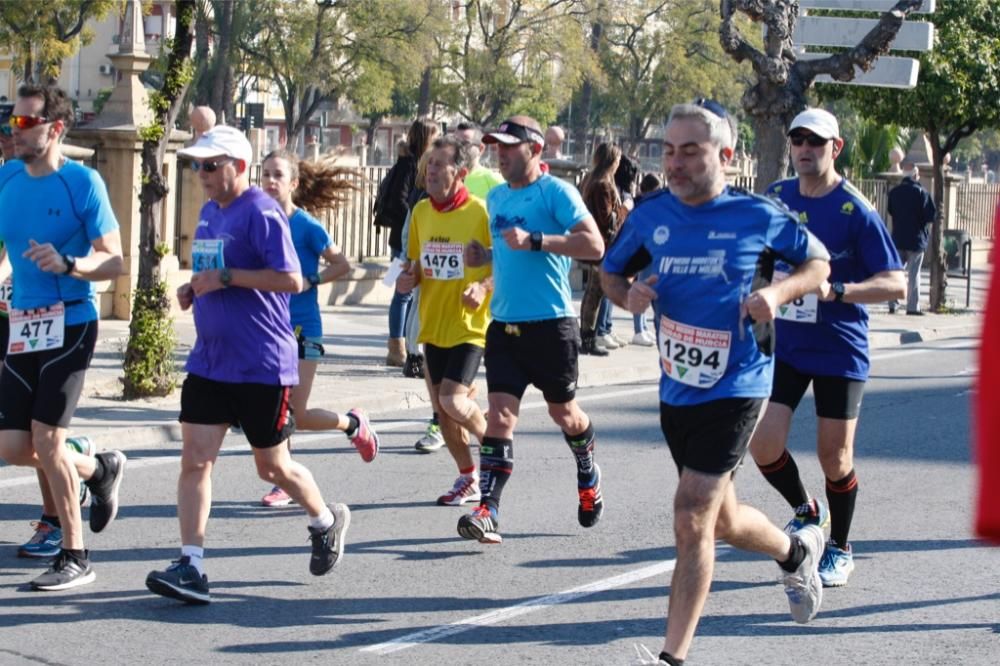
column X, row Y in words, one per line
column 912, row 210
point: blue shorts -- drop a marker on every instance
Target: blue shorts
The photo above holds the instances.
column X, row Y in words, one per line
column 310, row 349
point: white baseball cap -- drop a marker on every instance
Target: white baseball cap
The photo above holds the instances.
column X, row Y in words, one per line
column 819, row 122
column 220, row 140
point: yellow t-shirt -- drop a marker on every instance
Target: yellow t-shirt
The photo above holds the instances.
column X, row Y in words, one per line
column 438, row 239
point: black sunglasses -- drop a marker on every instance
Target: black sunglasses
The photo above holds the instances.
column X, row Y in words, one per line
column 210, row 167
column 711, row 106
column 814, row 140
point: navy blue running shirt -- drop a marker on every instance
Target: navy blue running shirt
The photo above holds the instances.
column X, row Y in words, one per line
column 860, row 246
column 706, row 258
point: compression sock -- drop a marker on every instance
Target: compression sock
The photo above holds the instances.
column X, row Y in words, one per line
column 783, row 475
column 841, row 495
column 496, row 461
column 582, row 446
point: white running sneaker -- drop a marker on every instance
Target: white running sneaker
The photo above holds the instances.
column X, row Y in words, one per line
column 643, row 339
column 432, row 439
column 803, row 586
column 466, row 489
column 607, row 341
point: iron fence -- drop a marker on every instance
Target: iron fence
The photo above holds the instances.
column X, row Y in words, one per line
column 974, row 209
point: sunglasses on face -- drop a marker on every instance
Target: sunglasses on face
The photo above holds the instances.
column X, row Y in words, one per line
column 27, row 122
column 210, row 166
column 813, row 140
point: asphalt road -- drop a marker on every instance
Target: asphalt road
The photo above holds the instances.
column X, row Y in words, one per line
column 409, row 590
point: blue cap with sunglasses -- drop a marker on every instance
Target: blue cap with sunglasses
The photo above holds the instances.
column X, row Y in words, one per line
column 821, row 123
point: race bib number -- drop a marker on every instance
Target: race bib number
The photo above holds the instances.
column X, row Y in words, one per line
column 442, row 261
column 691, row 355
column 803, row 309
column 6, row 294
column 206, row 255
column 37, row 330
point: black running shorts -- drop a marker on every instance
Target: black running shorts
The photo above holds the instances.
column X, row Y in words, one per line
column 459, row 363
column 261, row 410
column 4, row 336
column 46, row 386
column 711, row 437
column 542, row 353
column 836, row 397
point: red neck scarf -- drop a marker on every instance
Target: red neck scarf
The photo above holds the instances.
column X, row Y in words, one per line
column 461, row 196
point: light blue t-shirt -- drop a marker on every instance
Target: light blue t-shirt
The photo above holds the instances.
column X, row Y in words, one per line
column 707, row 258
column 310, row 240
column 68, row 208
column 532, row 286
column 836, row 344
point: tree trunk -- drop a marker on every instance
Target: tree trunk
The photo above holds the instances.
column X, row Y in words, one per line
column 581, row 126
column 424, row 98
column 935, row 252
column 772, row 151
column 222, row 61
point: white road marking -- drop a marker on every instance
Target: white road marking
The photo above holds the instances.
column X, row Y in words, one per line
column 924, row 350
column 530, row 606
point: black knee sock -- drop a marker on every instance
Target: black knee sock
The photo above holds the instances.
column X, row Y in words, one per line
column 783, row 474
column 841, row 495
column 582, row 446
column 52, row 520
column 496, row 461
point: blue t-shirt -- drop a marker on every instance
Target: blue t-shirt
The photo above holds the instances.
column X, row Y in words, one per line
column 532, row 286
column 310, row 240
column 68, row 208
column 836, row 344
column 245, row 335
column 706, row 258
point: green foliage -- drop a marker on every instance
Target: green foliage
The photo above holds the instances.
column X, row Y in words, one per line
column 152, row 132
column 40, row 35
column 103, row 95
column 148, row 363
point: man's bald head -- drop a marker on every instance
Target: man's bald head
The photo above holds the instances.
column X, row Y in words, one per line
column 554, row 137
column 202, row 120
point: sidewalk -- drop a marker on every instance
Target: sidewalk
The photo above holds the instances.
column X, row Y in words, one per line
column 352, row 371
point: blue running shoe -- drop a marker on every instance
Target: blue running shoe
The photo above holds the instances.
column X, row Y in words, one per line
column 46, row 542
column 813, row 512
column 836, row 565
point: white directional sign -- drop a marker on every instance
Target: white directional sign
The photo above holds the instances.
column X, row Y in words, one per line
column 864, row 5
column 889, row 72
column 847, row 32
column 843, row 32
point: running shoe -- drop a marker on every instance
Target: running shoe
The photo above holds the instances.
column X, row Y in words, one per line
column 85, row 446
column 466, row 489
column 364, row 439
column 277, row 497
column 646, row 658
column 104, row 495
column 180, row 581
column 45, row 542
column 65, row 572
column 480, row 525
column 620, row 339
column 591, row 502
column 836, row 565
column 432, row 439
column 643, row 339
column 803, row 586
column 607, row 341
column 813, row 512
column 328, row 544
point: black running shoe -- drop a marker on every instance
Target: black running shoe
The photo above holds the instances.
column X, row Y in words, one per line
column 591, row 501
column 328, row 545
column 180, row 581
column 104, row 495
column 65, row 572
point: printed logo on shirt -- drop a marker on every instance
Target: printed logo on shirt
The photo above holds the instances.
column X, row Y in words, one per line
column 847, row 208
column 804, row 217
column 711, row 265
column 721, row 235
column 202, row 223
column 501, row 223
column 661, row 235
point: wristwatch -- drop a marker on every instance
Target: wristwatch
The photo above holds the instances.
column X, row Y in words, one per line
column 838, row 291
column 313, row 280
column 225, row 277
column 536, row 241
column 70, row 262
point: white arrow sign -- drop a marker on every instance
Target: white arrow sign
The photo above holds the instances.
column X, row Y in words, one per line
column 888, row 72
column 848, row 32
column 928, row 7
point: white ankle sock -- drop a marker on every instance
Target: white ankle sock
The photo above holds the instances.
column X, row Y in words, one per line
column 197, row 556
column 323, row 521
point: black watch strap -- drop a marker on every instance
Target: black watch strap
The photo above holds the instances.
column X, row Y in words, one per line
column 536, row 241
column 70, row 262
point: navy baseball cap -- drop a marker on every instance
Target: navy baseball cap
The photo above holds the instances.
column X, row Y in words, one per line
column 511, row 133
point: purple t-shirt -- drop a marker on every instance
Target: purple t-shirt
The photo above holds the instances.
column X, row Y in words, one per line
column 244, row 335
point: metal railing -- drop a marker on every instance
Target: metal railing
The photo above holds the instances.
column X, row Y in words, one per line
column 974, row 207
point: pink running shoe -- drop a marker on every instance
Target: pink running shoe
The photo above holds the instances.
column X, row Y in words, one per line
column 364, row 439
column 466, row 489
column 277, row 497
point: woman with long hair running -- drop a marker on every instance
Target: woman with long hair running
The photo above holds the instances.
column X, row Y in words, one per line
column 301, row 186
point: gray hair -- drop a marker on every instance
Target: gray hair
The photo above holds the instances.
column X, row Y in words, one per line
column 461, row 150
column 721, row 131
